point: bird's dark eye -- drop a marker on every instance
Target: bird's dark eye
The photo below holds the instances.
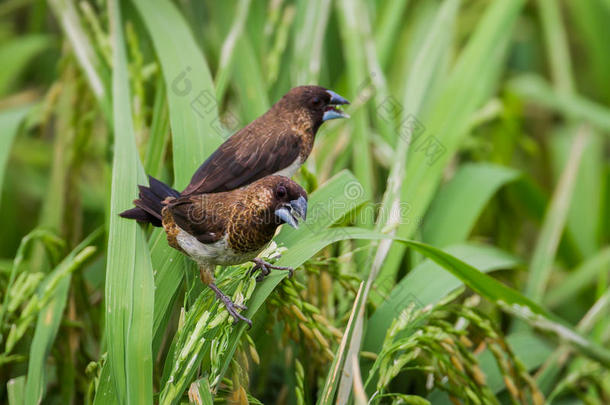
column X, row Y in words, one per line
column 316, row 101
column 281, row 192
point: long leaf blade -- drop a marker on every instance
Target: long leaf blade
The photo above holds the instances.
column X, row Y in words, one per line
column 129, row 281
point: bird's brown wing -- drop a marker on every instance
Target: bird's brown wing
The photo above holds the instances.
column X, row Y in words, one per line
column 203, row 216
column 244, row 158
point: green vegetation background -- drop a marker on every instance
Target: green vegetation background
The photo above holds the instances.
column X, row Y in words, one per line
column 456, row 248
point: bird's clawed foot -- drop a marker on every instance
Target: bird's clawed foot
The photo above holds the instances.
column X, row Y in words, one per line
column 266, row 268
column 230, row 305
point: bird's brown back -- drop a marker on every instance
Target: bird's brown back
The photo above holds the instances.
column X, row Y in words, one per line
column 243, row 215
column 267, row 145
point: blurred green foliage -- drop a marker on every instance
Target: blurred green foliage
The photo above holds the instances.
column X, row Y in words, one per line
column 477, row 127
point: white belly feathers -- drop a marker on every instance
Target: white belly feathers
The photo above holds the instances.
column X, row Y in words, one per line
column 212, row 253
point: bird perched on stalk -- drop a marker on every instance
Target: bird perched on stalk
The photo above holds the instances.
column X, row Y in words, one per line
column 278, row 142
column 225, row 228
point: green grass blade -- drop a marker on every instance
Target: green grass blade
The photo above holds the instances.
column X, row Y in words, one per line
column 9, row 125
column 556, row 45
column 433, row 47
column 105, row 394
column 310, row 26
column 584, row 217
column 427, row 284
column 228, row 48
column 591, row 26
column 512, row 301
column 377, row 83
column 460, row 202
column 351, row 18
column 388, row 23
column 333, row 378
column 449, row 119
column 193, row 111
column 129, row 280
column 200, row 392
column 533, row 88
column 20, row 51
column 451, row 115
column 554, row 222
column 311, row 244
column 15, row 388
column 585, row 274
column 89, row 61
column 249, row 84
column 159, row 132
column 50, row 241
column 50, row 316
column 170, row 266
column 413, row 99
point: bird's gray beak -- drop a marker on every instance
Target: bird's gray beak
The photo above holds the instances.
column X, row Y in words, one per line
column 331, row 112
column 291, row 213
column 299, row 206
column 336, row 99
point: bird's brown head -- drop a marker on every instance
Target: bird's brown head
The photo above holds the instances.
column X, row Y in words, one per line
column 285, row 200
column 312, row 104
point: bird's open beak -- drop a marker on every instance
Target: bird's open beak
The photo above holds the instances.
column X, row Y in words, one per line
column 331, row 112
column 291, row 213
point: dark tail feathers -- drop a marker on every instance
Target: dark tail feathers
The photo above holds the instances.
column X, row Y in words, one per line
column 148, row 207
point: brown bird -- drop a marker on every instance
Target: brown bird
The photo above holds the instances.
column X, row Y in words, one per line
column 226, row 228
column 278, row 142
